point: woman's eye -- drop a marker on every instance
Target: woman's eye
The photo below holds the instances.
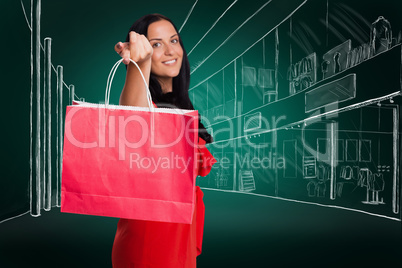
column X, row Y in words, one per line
column 174, row 41
column 156, row 45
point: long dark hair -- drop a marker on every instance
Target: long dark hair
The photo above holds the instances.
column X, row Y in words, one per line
column 181, row 83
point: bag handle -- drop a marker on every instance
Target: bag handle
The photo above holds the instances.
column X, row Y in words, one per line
column 110, row 80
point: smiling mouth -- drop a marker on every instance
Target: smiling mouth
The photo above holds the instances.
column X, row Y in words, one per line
column 169, row 62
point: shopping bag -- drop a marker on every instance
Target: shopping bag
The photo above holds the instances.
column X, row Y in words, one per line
column 129, row 162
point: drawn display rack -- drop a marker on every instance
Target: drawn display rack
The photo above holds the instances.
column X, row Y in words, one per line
column 329, row 136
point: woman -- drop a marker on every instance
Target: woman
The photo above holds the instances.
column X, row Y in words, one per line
column 154, row 43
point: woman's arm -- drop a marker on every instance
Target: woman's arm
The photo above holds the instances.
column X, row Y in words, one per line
column 140, row 51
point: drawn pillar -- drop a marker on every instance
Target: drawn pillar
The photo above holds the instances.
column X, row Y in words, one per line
column 72, row 93
column 396, row 162
column 59, row 131
column 274, row 133
column 42, row 145
column 276, row 62
column 291, row 88
column 275, row 154
column 35, row 157
column 48, row 125
column 333, row 157
column 235, row 114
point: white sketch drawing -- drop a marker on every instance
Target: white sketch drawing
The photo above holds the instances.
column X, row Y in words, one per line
column 45, row 121
column 328, row 86
column 289, row 121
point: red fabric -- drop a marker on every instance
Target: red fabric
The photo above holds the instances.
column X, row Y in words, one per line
column 150, row 244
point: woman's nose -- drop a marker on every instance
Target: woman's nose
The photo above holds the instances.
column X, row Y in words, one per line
column 169, row 50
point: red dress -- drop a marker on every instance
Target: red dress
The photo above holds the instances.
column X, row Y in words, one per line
column 151, row 244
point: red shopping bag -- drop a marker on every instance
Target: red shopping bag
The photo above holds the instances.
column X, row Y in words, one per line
column 129, row 162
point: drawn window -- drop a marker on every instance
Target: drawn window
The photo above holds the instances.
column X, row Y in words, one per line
column 266, row 78
column 229, row 108
column 230, row 158
column 290, row 155
column 309, row 167
column 341, row 151
column 252, row 122
column 351, row 150
column 365, row 151
column 270, row 96
column 249, row 76
column 218, row 111
column 323, row 150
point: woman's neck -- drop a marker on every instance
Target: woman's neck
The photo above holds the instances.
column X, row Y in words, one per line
column 166, row 84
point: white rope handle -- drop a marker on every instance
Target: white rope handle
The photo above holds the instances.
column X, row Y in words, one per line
column 110, row 80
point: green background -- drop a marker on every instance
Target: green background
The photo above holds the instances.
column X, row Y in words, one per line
column 240, row 230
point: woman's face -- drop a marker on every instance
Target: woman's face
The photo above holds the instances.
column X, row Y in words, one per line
column 167, row 56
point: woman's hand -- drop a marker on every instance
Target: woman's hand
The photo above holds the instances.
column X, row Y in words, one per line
column 138, row 49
